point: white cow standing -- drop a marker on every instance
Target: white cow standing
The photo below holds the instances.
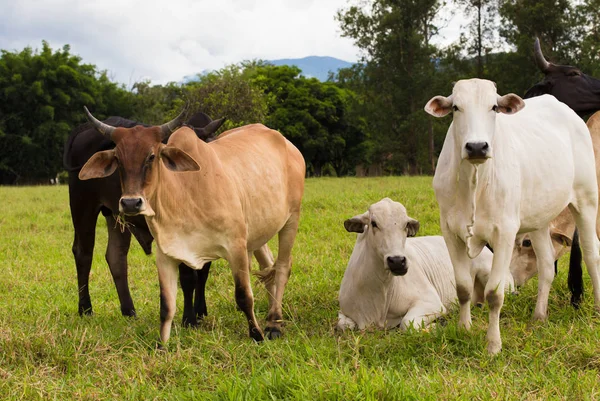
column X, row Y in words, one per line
column 500, row 175
column 393, row 281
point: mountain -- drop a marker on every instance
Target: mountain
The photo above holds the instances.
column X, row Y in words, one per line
column 314, row 66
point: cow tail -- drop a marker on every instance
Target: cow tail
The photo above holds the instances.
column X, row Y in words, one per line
column 575, row 279
column 266, row 276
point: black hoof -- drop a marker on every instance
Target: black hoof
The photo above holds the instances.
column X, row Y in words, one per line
column 479, row 305
column 256, row 335
column 85, row 310
column 189, row 323
column 128, row 312
column 273, row 333
column 576, row 301
column 160, row 346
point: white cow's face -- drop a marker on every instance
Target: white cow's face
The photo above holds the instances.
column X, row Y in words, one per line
column 475, row 104
column 385, row 227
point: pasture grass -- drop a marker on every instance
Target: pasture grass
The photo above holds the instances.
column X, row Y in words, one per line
column 48, row 352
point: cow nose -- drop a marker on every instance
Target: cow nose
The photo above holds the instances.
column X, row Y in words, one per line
column 397, row 265
column 477, row 150
column 131, row 205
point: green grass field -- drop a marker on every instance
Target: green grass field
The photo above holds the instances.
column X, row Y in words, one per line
column 48, row 352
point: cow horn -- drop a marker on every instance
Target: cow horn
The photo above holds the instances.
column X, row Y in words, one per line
column 539, row 57
column 167, row 128
column 102, row 128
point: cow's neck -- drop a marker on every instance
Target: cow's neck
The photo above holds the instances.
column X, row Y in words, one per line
column 474, row 181
column 365, row 287
column 182, row 201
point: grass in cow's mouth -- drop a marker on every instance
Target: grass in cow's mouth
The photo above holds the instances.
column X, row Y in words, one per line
column 121, row 222
column 48, row 352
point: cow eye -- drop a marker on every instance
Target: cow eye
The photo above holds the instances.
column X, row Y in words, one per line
column 573, row 73
column 495, row 108
column 455, row 108
column 374, row 225
column 526, row 243
column 150, row 158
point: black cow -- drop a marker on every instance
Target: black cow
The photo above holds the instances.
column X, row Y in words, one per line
column 568, row 84
column 88, row 198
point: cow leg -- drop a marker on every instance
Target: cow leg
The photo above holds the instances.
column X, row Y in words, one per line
column 240, row 268
column 585, row 220
column 544, row 251
column 494, row 289
column 187, row 279
column 84, row 224
column 200, row 308
column 283, row 269
column 167, row 277
column 422, row 314
column 116, row 257
column 462, row 274
column 265, row 259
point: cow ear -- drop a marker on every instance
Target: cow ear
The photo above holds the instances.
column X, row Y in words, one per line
column 510, row 104
column 412, row 227
column 357, row 223
column 100, row 165
column 439, row 106
column 562, row 238
column 177, row 160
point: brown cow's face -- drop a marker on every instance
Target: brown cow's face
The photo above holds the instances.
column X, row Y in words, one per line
column 137, row 155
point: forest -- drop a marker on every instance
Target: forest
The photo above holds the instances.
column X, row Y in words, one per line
column 370, row 115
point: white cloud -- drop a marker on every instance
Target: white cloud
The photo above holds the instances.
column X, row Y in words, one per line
column 166, row 40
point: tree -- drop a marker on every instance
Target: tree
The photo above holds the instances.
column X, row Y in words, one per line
column 42, row 94
column 314, row 116
column 228, row 93
column 399, row 75
column 481, row 29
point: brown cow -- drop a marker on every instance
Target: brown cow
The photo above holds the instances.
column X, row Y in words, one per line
column 205, row 201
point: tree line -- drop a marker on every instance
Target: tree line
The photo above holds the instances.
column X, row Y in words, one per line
column 369, row 115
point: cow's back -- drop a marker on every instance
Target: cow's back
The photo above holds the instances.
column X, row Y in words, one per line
column 251, row 175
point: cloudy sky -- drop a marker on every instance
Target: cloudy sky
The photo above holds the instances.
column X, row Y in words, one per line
column 166, row 40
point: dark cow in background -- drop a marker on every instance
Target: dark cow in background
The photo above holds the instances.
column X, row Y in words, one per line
column 568, row 84
column 581, row 93
column 89, row 198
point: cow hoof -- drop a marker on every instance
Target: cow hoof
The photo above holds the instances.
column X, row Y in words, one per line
column 85, row 310
column 160, row 346
column 273, row 333
column 576, row 302
column 256, row 334
column 493, row 347
column 189, row 323
column 128, row 312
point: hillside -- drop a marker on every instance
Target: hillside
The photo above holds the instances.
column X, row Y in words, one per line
column 314, row 66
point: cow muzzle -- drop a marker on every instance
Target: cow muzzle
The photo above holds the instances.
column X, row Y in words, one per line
column 397, row 265
column 132, row 205
column 477, row 152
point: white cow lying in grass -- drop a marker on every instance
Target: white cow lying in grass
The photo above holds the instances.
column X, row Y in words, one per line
column 394, row 281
